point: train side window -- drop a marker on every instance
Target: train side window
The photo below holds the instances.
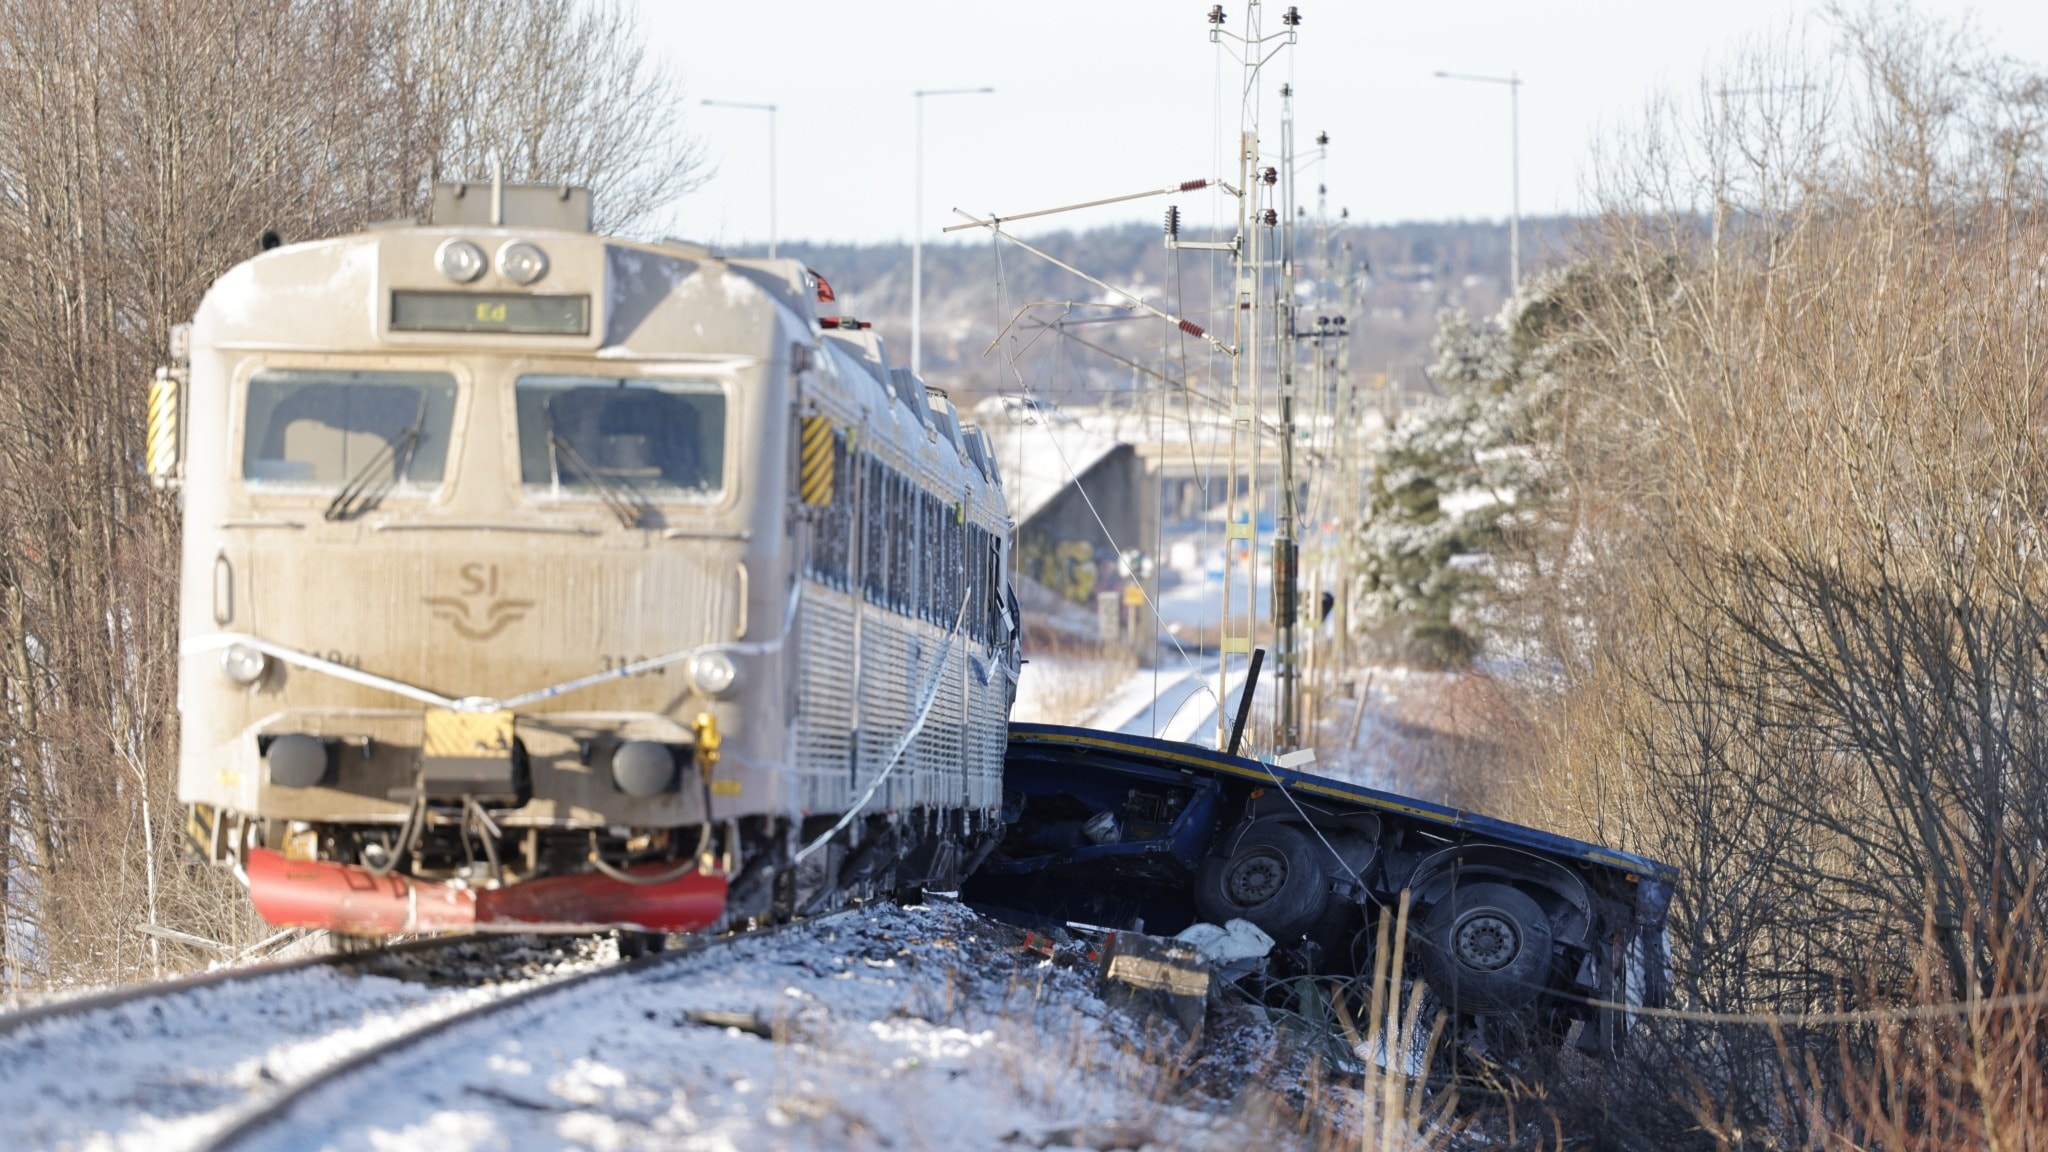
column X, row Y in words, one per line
column 949, row 566
column 934, row 533
column 994, row 621
column 875, row 532
column 320, row 428
column 930, row 549
column 972, row 624
column 903, row 543
column 842, row 513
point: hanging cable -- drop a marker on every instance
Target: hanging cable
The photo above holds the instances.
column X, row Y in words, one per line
column 1010, row 360
column 644, row 880
column 931, row 694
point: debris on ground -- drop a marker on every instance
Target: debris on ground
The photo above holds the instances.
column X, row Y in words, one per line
column 1151, row 976
column 1232, row 950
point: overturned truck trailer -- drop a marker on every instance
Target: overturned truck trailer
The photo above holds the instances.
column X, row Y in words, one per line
column 1506, row 922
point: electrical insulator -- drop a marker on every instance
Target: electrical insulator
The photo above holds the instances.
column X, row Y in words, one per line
column 1173, row 219
column 1323, row 138
column 1271, row 218
column 1216, row 15
column 1287, row 90
column 1272, row 176
column 1293, row 16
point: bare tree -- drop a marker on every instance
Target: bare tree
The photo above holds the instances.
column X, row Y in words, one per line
column 144, row 146
column 1803, row 640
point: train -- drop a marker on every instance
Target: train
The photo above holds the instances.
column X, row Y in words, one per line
column 534, row 579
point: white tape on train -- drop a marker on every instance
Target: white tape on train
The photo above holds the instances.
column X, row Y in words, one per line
column 221, row 641
column 924, row 711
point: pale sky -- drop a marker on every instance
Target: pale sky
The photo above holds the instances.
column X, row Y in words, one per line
column 1097, row 98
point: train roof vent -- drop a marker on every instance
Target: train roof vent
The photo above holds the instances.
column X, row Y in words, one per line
column 910, row 390
column 562, row 207
column 944, row 415
column 977, row 448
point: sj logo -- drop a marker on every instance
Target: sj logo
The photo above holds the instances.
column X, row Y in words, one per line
column 478, row 612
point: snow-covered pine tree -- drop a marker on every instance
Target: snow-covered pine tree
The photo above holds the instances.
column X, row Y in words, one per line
column 1458, row 473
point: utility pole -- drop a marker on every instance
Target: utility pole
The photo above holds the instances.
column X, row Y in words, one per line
column 1513, row 82
column 1346, row 434
column 1287, row 511
column 1241, row 516
column 1244, row 426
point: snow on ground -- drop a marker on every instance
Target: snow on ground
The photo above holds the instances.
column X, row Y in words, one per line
column 907, row 1028
column 166, row 1072
column 1133, row 698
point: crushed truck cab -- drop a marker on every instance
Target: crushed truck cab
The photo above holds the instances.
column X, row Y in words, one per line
column 1505, row 921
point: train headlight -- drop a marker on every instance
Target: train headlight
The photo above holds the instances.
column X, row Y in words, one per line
column 522, row 263
column 244, row 665
column 460, row 261
column 713, row 673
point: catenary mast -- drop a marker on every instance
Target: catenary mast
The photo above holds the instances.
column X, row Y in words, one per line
column 1287, row 512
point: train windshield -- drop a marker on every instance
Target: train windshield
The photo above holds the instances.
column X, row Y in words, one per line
column 326, row 429
column 656, row 438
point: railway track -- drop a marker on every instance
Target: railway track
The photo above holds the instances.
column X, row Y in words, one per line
column 171, row 1064
column 247, row 1129
column 21, row 1018
column 217, row 1060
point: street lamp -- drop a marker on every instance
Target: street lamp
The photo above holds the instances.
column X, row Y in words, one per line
column 917, row 233
column 1514, row 86
column 770, row 110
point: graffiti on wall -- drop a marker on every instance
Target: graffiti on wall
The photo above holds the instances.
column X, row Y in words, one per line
column 1068, row 567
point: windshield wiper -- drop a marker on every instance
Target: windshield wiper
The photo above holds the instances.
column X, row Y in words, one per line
column 357, row 497
column 629, row 510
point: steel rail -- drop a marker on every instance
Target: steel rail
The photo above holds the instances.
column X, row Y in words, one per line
column 14, row 1021
column 243, row 1128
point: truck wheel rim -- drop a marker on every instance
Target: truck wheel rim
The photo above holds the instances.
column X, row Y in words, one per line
column 1486, row 941
column 1256, row 879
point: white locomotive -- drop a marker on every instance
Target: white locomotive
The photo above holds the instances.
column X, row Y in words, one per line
column 534, row 578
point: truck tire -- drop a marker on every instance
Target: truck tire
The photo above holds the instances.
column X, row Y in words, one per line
column 1487, row 949
column 1272, row 877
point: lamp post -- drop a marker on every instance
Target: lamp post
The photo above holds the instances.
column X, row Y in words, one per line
column 770, row 110
column 917, row 232
column 1514, row 86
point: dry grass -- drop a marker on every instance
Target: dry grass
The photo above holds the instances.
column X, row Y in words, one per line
column 1800, row 598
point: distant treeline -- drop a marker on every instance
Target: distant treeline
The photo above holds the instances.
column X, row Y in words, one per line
column 1403, row 274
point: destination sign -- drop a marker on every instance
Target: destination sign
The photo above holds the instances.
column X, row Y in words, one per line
column 490, row 312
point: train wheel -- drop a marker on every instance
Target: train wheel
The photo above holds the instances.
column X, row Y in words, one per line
column 1487, row 949
column 1273, row 877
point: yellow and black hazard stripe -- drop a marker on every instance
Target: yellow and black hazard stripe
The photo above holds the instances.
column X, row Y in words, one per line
column 814, row 477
